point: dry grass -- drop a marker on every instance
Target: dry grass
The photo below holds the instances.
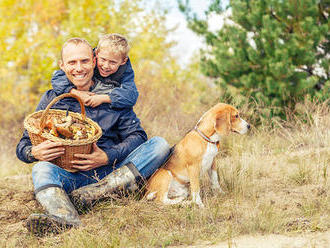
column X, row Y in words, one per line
column 276, row 181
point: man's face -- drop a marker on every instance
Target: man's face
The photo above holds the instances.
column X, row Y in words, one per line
column 108, row 62
column 78, row 64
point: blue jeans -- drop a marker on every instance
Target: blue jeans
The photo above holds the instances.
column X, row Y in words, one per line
column 147, row 158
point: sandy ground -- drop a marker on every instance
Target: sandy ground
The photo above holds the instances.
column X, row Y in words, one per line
column 308, row 240
column 17, row 200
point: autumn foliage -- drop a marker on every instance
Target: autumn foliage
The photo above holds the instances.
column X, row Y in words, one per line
column 33, row 31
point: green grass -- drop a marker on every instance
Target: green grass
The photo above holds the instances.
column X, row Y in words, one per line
column 276, row 181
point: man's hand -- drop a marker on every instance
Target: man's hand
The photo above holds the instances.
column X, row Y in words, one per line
column 47, row 150
column 91, row 161
column 96, row 100
column 84, row 95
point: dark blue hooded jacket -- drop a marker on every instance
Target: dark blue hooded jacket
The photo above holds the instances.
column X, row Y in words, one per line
column 121, row 128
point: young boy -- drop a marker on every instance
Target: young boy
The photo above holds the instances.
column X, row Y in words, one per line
column 113, row 76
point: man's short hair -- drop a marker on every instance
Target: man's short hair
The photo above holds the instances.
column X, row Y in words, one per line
column 77, row 41
column 116, row 42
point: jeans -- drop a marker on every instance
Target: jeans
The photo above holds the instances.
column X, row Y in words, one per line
column 147, row 158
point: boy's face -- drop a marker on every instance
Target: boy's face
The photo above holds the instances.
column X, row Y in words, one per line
column 108, row 62
column 78, row 64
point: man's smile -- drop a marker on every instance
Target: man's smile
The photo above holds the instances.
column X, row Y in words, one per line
column 80, row 75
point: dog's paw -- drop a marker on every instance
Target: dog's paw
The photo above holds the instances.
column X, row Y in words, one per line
column 177, row 200
column 217, row 189
column 151, row 196
column 190, row 203
column 185, row 203
column 200, row 205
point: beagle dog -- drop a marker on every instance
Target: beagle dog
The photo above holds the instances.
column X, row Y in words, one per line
column 193, row 156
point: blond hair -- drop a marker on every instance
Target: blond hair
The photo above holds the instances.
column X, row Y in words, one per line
column 116, row 42
column 77, row 41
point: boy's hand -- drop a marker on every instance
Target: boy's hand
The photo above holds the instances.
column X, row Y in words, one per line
column 96, row 100
column 84, row 95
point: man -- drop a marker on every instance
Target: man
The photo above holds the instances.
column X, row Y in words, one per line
column 113, row 74
column 123, row 147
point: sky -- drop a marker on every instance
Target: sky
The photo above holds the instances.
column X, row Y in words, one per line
column 188, row 43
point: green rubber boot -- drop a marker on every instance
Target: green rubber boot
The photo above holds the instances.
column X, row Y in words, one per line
column 60, row 213
column 125, row 179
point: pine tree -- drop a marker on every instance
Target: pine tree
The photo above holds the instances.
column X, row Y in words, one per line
column 274, row 51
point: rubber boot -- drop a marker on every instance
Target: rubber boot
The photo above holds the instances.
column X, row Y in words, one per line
column 125, row 179
column 60, row 213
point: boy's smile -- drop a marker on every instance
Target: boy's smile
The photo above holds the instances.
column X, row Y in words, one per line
column 108, row 62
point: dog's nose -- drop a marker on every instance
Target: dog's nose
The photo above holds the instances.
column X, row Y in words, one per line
column 248, row 126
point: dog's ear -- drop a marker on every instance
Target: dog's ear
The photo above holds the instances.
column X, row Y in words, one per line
column 222, row 123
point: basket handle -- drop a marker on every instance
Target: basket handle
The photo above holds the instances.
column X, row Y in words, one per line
column 56, row 99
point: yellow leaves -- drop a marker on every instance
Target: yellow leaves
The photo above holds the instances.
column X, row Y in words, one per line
column 42, row 9
column 33, row 31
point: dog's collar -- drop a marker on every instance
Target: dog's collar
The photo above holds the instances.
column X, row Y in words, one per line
column 207, row 138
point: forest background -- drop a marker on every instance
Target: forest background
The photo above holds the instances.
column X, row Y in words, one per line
column 272, row 63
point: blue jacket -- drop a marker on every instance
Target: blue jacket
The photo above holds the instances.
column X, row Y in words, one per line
column 124, row 94
column 121, row 128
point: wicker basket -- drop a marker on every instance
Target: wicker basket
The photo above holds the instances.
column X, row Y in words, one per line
column 35, row 124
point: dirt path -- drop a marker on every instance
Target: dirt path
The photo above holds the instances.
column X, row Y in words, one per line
column 309, row 240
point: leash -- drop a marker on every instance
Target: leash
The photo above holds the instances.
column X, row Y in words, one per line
column 217, row 143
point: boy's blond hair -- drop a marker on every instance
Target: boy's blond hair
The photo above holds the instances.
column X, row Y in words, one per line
column 116, row 42
column 77, row 41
